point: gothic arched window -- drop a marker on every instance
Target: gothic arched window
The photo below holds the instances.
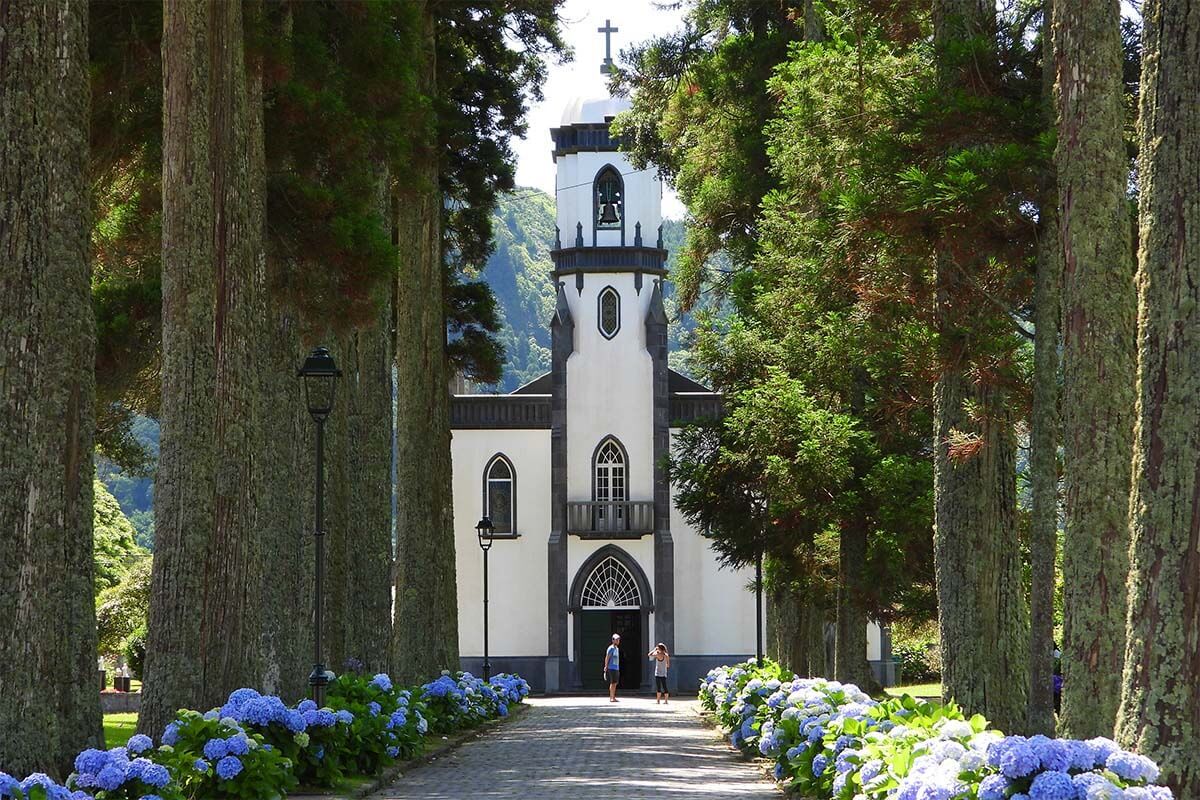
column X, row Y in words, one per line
column 499, row 504
column 610, row 483
column 610, row 209
column 608, row 316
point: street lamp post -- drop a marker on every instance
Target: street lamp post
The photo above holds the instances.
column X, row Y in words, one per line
column 758, row 502
column 320, row 375
column 484, row 529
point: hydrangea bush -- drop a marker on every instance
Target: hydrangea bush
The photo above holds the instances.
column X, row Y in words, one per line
column 215, row 756
column 830, row 740
column 256, row 747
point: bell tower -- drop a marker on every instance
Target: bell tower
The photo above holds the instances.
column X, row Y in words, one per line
column 610, row 404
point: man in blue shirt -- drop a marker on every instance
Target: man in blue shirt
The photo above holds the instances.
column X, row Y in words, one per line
column 612, row 667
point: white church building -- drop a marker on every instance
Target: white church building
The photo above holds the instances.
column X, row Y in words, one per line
column 569, row 467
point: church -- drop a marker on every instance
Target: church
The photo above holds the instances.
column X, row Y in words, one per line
column 569, row 468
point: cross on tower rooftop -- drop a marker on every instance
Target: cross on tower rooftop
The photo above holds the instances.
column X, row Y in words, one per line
column 607, row 30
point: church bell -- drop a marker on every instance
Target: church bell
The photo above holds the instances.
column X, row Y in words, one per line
column 608, row 214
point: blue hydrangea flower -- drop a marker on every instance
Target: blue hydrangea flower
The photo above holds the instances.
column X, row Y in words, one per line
column 215, row 749
column 1019, row 760
column 374, row 708
column 393, row 752
column 382, row 681
column 200, row 765
column 229, row 767
column 171, row 733
column 237, row 745
column 306, row 706
column 1052, row 785
column 1132, row 767
column 819, row 764
column 139, row 743
column 90, row 761
column 111, row 777
column 344, row 717
column 993, row 787
column 156, row 775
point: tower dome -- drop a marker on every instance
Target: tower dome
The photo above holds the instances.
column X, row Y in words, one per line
column 593, row 110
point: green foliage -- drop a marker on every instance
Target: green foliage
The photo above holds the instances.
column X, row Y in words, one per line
column 134, row 650
column 123, row 609
column 114, row 544
column 915, row 648
column 375, row 739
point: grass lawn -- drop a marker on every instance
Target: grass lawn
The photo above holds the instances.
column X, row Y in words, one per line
column 917, row 690
column 119, row 727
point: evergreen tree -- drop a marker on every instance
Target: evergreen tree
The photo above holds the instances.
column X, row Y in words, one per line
column 1160, row 707
column 49, row 707
column 1098, row 357
column 982, row 611
column 204, row 625
column 1044, row 424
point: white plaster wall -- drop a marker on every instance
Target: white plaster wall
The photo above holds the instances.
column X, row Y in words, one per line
column 714, row 607
column 874, row 644
column 610, row 386
column 517, row 567
column 579, row 550
column 642, row 199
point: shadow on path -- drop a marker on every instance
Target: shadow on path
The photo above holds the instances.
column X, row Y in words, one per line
column 588, row 749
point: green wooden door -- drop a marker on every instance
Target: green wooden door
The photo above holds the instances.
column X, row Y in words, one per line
column 595, row 633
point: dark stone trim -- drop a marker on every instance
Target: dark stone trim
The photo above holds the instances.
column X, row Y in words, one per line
column 694, row 406
column 664, row 544
column 562, row 344
column 487, row 511
column 596, row 204
column 576, row 606
column 583, row 137
column 609, row 259
column 500, row 411
column 600, row 311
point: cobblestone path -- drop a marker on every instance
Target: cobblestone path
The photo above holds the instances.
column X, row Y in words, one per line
column 589, row 749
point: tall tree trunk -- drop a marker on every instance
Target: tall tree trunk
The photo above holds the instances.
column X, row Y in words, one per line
column 425, row 631
column 850, row 643
column 284, row 507
column 1043, row 436
column 360, row 579
column 1098, row 357
column 205, row 633
column 983, row 617
column 49, row 702
column 1160, row 707
column 285, row 510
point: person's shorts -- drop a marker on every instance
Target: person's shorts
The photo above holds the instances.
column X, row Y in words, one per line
column 660, row 683
column 614, row 676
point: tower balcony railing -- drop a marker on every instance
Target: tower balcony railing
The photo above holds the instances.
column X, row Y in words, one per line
column 626, row 519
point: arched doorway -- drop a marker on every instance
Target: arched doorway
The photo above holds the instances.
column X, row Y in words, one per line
column 611, row 594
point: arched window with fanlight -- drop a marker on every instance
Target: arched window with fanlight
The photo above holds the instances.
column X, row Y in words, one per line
column 499, row 495
column 609, row 199
column 610, row 482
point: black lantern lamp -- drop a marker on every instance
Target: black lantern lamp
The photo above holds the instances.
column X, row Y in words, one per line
column 485, row 530
column 320, row 375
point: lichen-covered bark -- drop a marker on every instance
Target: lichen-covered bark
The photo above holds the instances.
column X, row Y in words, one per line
column 1098, row 357
column 983, row 616
column 49, row 701
column 425, row 629
column 1044, row 424
column 204, row 636
column 1160, row 704
column 360, row 518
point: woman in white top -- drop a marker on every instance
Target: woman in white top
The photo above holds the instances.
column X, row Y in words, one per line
column 662, row 663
